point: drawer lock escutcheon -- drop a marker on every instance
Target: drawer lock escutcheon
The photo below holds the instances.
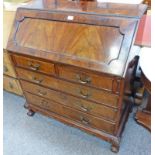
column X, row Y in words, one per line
column 84, row 94
column 44, row 104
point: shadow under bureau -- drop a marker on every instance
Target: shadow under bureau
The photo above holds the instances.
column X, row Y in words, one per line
column 76, row 64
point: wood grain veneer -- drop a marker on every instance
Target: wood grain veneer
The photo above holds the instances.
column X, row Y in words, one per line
column 71, row 101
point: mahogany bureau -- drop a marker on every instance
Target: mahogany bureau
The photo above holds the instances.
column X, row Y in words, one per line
column 75, row 62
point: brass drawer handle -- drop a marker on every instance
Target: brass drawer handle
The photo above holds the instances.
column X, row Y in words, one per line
column 85, row 121
column 37, row 80
column 86, row 109
column 84, row 95
column 5, row 69
column 83, row 80
column 34, row 67
column 10, row 85
column 41, row 93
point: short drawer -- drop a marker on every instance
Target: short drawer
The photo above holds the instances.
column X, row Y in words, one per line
column 11, row 85
column 9, row 70
column 72, row 114
column 33, row 64
column 68, row 100
column 88, row 78
column 81, row 91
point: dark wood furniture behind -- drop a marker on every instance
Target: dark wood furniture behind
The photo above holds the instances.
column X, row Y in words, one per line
column 144, row 117
column 143, row 39
column 10, row 81
column 76, row 62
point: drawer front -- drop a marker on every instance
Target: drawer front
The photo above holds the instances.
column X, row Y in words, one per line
column 9, row 70
column 87, row 78
column 11, row 85
column 44, row 103
column 72, row 114
column 74, row 102
column 6, row 58
column 89, row 120
column 84, row 92
column 35, row 65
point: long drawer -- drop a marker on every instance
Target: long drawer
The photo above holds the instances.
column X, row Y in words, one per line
column 34, row 64
column 89, row 78
column 84, row 92
column 72, row 114
column 74, row 102
column 11, row 85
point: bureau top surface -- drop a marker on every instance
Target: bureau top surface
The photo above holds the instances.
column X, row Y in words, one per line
column 101, row 41
column 89, row 7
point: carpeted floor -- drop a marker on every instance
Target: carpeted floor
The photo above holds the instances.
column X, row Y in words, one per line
column 39, row 135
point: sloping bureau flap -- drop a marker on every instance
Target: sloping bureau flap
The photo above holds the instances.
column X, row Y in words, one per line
column 92, row 41
column 86, row 42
